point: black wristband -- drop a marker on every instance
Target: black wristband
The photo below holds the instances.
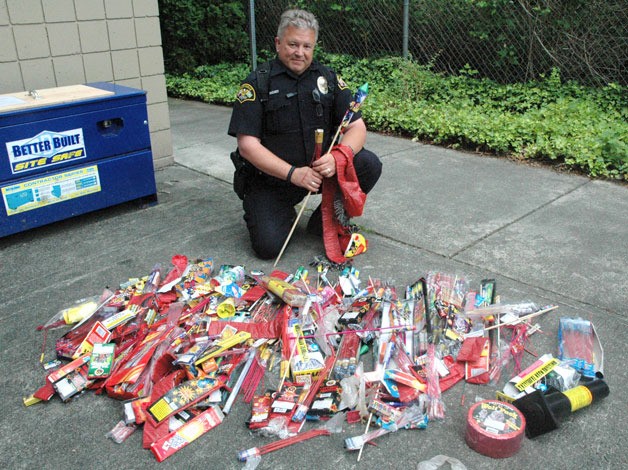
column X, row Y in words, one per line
column 290, row 173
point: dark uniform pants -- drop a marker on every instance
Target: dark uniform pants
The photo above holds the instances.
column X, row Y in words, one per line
column 269, row 207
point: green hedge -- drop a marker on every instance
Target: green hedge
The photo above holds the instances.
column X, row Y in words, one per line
column 578, row 128
column 196, row 32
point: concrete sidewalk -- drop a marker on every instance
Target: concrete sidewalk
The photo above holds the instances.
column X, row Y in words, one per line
column 545, row 237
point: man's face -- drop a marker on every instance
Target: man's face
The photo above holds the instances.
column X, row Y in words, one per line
column 295, row 48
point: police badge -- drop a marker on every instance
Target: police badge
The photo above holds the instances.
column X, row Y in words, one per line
column 322, row 85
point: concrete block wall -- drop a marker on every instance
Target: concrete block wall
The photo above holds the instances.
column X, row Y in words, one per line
column 51, row 43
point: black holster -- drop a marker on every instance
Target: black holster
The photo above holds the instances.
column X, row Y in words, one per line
column 242, row 175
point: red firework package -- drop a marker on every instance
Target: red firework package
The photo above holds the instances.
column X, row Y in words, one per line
column 475, row 353
column 135, row 410
column 405, row 378
column 69, row 343
column 270, row 329
column 97, row 334
column 152, row 431
column 495, row 428
column 189, row 432
column 285, row 401
column 45, row 393
column 73, row 383
column 456, row 374
column 68, row 368
column 125, row 383
column 359, row 308
column 260, row 410
column 179, row 265
column 327, row 399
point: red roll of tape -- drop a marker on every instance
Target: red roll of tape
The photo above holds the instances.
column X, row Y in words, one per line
column 495, row 428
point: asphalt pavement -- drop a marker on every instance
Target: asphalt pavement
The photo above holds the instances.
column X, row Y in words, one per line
column 546, row 237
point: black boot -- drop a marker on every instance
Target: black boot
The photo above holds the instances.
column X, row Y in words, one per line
column 315, row 224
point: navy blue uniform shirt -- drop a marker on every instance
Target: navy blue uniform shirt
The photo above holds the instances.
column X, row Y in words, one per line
column 297, row 105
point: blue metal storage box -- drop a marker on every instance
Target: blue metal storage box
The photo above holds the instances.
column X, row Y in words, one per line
column 71, row 150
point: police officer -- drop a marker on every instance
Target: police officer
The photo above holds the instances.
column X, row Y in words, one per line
column 275, row 123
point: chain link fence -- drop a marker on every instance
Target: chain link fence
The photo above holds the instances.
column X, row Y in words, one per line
column 503, row 40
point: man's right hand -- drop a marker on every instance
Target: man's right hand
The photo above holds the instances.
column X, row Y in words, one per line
column 306, row 178
column 264, row 160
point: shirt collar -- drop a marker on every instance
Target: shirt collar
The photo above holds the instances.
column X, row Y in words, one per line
column 278, row 67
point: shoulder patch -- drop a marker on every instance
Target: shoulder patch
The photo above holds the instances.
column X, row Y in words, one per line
column 246, row 93
column 341, row 84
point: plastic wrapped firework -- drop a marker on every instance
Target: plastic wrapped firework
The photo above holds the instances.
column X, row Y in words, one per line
column 284, row 290
column 417, row 295
column 354, row 106
column 121, row 431
column 347, row 357
column 451, row 289
column 436, row 407
column 524, row 308
column 578, row 345
column 244, row 455
column 410, row 414
column 153, row 281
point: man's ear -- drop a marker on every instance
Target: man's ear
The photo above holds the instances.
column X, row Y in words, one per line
column 277, row 41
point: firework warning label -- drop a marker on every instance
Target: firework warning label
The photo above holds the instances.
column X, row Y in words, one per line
column 52, row 189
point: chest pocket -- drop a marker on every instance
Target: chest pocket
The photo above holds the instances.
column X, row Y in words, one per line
column 321, row 108
column 281, row 115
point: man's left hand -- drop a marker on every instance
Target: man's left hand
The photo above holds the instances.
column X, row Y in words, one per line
column 325, row 166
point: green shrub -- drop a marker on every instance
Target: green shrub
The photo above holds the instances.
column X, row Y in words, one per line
column 577, row 127
column 196, row 32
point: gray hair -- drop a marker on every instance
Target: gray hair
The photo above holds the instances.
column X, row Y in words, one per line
column 299, row 19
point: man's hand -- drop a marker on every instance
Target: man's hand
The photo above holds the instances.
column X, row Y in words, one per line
column 325, row 166
column 353, row 137
column 306, row 178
